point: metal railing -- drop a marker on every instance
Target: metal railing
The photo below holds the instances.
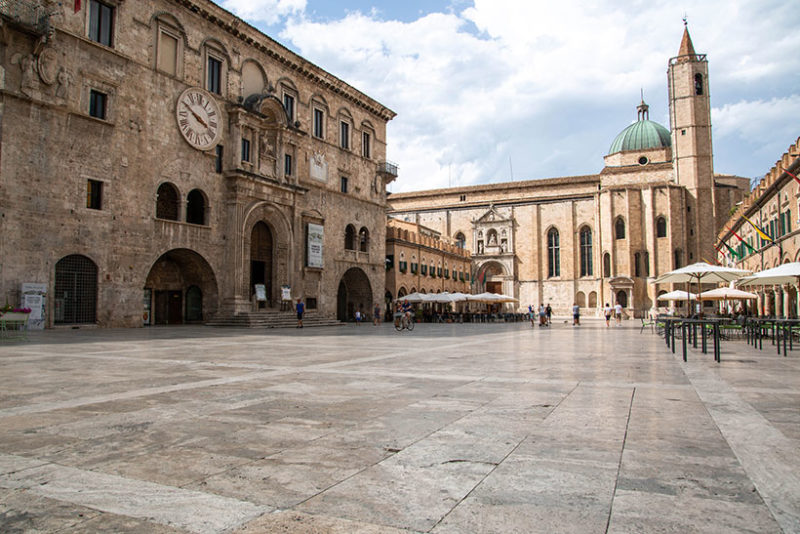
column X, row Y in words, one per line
column 387, row 167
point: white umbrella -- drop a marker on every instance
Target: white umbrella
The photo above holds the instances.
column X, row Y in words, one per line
column 701, row 273
column 415, row 297
column 727, row 293
column 788, row 273
column 677, row 295
column 443, row 298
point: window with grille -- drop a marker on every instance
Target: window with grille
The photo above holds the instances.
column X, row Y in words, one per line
column 167, row 206
column 75, row 290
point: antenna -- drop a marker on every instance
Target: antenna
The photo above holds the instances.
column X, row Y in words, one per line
column 685, row 19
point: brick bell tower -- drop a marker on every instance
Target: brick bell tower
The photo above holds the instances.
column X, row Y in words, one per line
column 692, row 155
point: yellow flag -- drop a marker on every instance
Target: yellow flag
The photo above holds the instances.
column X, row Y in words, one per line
column 759, row 231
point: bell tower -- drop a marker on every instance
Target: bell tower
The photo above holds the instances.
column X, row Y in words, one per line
column 690, row 124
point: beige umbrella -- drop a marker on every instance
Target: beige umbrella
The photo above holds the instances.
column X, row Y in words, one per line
column 677, row 295
column 702, row 273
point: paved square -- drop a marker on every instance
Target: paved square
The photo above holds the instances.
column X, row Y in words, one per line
column 447, row 429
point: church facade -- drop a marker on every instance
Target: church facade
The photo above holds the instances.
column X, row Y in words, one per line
column 165, row 162
column 656, row 205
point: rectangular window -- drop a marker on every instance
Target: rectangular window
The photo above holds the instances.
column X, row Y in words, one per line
column 218, row 162
column 319, row 123
column 245, row 149
column 414, row 268
column 344, row 134
column 343, row 187
column 365, row 148
column 94, row 194
column 167, row 53
column 424, row 270
column 389, row 261
column 214, row 75
column 101, row 22
column 97, row 104
column 287, row 164
column 288, row 105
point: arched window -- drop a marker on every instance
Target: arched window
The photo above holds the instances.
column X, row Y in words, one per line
column 167, row 206
column 661, row 227
column 586, row 251
column 350, row 237
column 75, row 290
column 553, row 254
column 593, row 299
column 637, row 261
column 580, row 299
column 698, row 84
column 677, row 259
column 196, row 207
column 619, row 228
column 461, row 240
column 606, row 265
column 363, row 239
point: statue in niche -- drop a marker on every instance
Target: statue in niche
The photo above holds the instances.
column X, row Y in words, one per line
column 29, row 82
column 480, row 247
column 64, row 79
column 267, row 158
column 492, row 239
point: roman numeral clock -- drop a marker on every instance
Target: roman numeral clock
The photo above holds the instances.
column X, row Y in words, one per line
column 198, row 118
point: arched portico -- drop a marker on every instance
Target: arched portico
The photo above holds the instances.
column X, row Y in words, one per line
column 354, row 293
column 182, row 288
column 494, row 277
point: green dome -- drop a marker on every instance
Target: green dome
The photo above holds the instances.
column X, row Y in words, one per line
column 641, row 135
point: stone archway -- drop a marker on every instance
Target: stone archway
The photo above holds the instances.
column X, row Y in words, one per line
column 355, row 293
column 266, row 237
column 183, row 287
column 261, row 258
column 492, row 276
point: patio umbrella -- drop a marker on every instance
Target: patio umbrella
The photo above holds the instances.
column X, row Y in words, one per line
column 415, row 297
column 677, row 295
column 701, row 273
column 727, row 293
column 788, row 273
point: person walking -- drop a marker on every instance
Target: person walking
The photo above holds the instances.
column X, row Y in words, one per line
column 607, row 312
column 358, row 317
column 531, row 315
column 376, row 315
column 549, row 312
column 576, row 314
column 542, row 315
column 618, row 313
column 301, row 308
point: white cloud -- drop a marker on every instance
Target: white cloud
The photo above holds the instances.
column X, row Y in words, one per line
column 549, row 84
column 267, row 11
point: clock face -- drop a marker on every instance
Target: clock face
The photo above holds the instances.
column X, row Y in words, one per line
column 199, row 118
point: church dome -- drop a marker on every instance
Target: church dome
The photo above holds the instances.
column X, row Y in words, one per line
column 641, row 135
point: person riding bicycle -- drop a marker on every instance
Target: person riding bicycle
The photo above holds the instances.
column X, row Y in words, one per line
column 407, row 309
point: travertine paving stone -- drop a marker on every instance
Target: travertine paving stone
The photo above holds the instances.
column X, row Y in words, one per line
column 448, row 429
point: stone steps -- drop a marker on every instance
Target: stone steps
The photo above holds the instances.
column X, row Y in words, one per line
column 272, row 319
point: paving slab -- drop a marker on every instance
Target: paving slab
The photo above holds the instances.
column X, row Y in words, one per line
column 447, row 429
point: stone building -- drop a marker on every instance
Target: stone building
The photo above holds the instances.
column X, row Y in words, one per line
column 160, row 160
column 773, row 206
column 656, row 205
column 419, row 259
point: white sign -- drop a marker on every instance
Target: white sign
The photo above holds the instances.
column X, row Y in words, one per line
column 318, row 167
column 34, row 297
column 286, row 293
column 261, row 292
column 315, row 235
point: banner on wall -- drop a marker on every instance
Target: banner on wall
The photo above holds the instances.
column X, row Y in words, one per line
column 314, row 245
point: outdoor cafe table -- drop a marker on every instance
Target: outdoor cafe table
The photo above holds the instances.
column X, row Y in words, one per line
column 777, row 329
column 688, row 328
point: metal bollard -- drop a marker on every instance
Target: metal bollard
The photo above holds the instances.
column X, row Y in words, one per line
column 685, row 331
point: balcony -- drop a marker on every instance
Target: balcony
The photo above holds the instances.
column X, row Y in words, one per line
column 388, row 169
column 30, row 14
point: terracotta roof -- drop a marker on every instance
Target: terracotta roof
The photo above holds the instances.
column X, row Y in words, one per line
column 540, row 183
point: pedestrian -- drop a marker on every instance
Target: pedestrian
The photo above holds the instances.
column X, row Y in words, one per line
column 576, row 314
column 618, row 313
column 549, row 311
column 301, row 308
column 607, row 312
column 542, row 315
column 376, row 315
column 531, row 314
column 358, row 317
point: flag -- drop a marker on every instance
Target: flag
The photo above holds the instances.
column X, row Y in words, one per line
column 482, row 277
column 77, row 5
column 762, row 234
column 792, row 175
column 733, row 252
column 742, row 240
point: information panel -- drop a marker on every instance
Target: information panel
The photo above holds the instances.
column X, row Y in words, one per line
column 314, row 253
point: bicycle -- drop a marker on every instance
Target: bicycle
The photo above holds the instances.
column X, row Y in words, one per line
column 403, row 321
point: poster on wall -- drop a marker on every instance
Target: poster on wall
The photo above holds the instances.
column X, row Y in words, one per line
column 314, row 245
column 261, row 292
column 34, row 296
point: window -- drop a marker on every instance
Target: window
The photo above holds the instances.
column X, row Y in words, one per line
column 167, row 61
column 343, row 184
column 287, row 164
column 245, row 149
column 350, row 237
column 661, row 227
column 344, row 135
column 553, row 254
column 214, row 75
column 101, row 22
column 97, row 104
column 461, row 241
column 363, row 240
column 423, row 269
column 637, row 261
column 365, row 144
column 698, row 84
column 606, row 265
column 586, row 252
column 319, row 123
column 218, row 160
column 646, row 262
column 288, row 105
column 167, row 202
column 677, row 259
column 196, row 207
column 619, row 228
column 414, row 268
column 94, row 194
column 389, row 261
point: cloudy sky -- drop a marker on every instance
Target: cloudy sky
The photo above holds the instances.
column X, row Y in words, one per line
column 487, row 91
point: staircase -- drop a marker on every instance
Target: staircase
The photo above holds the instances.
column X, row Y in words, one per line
column 272, row 319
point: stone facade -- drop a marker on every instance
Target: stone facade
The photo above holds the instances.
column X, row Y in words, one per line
column 774, row 206
column 601, row 238
column 160, row 166
column 418, row 259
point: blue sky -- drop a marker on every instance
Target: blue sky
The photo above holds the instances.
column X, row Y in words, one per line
column 490, row 90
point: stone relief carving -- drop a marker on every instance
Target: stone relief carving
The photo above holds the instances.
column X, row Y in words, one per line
column 319, row 167
column 48, row 65
column 29, row 81
column 64, row 82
